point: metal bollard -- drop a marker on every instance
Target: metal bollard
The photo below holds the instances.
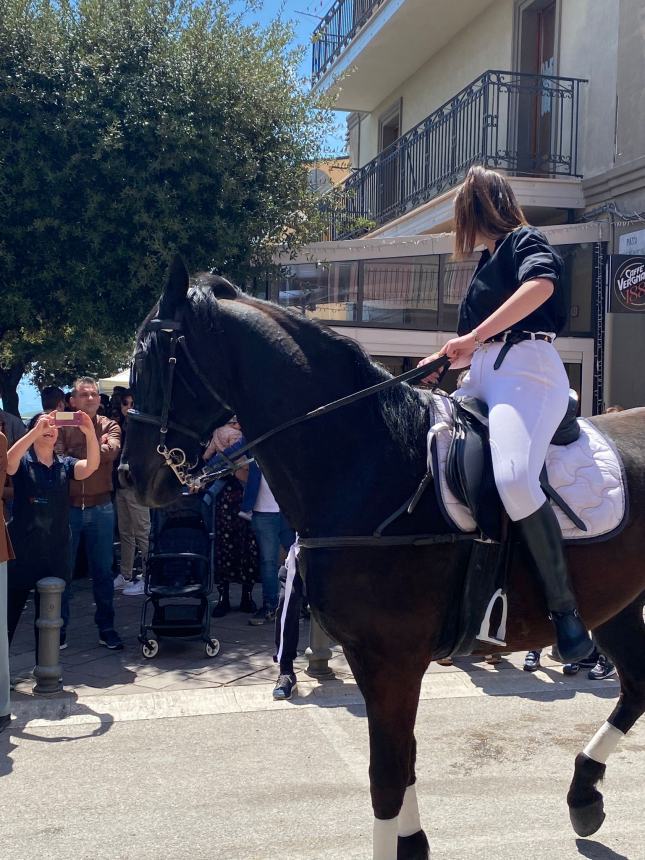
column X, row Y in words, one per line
column 319, row 652
column 48, row 669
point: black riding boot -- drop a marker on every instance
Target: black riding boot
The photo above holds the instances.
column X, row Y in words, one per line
column 223, row 605
column 543, row 539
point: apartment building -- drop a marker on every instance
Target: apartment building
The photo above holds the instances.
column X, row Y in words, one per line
column 552, row 92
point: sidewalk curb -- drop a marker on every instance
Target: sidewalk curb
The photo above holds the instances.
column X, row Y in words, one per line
column 68, row 709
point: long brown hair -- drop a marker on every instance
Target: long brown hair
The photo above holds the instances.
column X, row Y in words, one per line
column 485, row 204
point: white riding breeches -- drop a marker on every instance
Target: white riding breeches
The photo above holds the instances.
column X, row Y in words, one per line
column 527, row 399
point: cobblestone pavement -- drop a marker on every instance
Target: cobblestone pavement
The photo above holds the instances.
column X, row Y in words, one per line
column 181, row 670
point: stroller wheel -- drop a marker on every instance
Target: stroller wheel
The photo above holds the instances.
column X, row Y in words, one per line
column 212, row 648
column 150, row 649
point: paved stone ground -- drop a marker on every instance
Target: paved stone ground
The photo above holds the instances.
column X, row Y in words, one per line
column 181, row 680
column 90, row 669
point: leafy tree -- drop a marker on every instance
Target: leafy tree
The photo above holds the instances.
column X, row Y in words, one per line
column 127, row 130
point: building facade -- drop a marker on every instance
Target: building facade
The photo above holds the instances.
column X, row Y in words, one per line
column 551, row 92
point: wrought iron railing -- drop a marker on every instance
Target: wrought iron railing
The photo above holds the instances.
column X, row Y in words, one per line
column 336, row 30
column 524, row 124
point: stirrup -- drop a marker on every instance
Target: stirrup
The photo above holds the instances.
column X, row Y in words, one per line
column 485, row 634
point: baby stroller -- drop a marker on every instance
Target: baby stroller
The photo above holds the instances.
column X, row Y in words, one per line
column 179, row 575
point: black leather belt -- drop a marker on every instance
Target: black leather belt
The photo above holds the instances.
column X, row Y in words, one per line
column 510, row 338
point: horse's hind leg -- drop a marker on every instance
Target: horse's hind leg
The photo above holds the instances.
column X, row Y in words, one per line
column 623, row 640
column 391, row 691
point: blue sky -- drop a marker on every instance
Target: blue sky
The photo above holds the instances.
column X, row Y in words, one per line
column 304, row 15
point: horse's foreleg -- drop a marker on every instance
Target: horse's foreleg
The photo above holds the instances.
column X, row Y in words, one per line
column 623, row 640
column 391, row 692
column 412, row 843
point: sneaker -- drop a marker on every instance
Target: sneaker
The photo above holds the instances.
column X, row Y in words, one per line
column 111, row 640
column 587, row 663
column 246, row 515
column 120, row 582
column 134, row 589
column 285, row 687
column 604, row 668
column 262, row 616
column 532, row 661
column 571, row 668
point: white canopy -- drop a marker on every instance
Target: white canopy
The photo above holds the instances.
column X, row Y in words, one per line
column 106, row 386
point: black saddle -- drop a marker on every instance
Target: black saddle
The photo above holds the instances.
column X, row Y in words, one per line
column 469, row 467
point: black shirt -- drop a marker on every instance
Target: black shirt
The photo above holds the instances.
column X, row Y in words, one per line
column 518, row 257
column 40, row 526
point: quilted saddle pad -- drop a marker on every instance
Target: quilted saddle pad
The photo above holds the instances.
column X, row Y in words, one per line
column 587, row 474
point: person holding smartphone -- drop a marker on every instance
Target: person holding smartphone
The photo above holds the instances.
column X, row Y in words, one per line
column 6, row 553
column 40, row 530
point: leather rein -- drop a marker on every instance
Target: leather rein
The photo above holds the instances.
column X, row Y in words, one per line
column 176, row 458
column 187, row 474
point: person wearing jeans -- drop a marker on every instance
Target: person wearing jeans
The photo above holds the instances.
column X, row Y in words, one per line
column 91, row 510
column 271, row 531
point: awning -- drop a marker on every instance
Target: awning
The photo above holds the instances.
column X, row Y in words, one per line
column 106, row 386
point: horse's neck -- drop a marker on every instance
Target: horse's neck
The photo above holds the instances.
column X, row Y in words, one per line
column 349, row 460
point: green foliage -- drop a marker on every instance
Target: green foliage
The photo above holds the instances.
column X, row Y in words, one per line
column 129, row 130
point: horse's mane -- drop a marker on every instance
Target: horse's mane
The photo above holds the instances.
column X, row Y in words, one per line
column 403, row 407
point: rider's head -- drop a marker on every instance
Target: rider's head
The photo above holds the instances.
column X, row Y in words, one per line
column 485, row 208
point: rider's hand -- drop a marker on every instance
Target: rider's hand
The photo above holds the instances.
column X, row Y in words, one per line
column 459, row 349
column 433, row 377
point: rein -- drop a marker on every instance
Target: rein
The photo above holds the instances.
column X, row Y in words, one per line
column 176, row 458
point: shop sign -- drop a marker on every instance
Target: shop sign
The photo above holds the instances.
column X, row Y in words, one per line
column 626, row 284
column 632, row 243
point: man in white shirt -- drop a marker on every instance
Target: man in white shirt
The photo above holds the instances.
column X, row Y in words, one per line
column 271, row 531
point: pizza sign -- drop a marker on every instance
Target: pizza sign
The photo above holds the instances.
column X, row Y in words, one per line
column 626, row 284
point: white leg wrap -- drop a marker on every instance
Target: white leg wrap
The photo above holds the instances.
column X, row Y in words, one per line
column 603, row 743
column 409, row 821
column 385, row 839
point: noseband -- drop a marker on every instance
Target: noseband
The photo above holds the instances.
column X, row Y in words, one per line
column 176, row 459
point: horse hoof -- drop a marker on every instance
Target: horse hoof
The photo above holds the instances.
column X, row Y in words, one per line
column 415, row 847
column 586, row 820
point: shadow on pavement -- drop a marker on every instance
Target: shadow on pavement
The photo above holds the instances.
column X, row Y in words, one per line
column 17, row 730
column 510, row 680
column 597, row 851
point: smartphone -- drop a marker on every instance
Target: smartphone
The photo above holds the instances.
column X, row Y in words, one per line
column 67, row 419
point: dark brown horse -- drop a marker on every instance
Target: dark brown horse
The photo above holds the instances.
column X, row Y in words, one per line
column 343, row 474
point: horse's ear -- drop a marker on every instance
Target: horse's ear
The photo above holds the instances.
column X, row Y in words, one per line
column 175, row 289
column 223, row 289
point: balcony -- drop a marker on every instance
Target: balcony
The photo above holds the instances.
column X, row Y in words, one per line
column 364, row 49
column 525, row 125
column 336, row 31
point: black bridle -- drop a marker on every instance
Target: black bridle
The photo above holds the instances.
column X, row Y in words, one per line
column 176, row 458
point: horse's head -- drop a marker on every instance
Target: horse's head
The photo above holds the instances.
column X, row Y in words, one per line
column 177, row 408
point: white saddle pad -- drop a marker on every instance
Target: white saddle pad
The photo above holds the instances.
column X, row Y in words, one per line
column 587, row 474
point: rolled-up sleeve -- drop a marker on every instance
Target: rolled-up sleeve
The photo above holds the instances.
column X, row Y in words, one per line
column 535, row 258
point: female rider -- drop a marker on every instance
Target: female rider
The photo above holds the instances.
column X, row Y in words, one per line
column 508, row 320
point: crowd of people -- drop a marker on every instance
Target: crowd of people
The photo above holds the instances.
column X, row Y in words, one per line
column 61, row 493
